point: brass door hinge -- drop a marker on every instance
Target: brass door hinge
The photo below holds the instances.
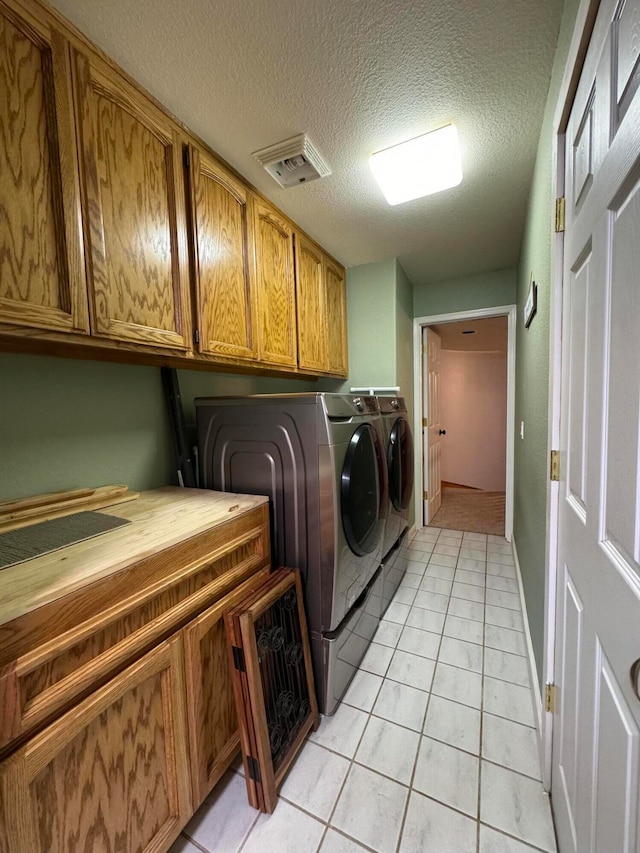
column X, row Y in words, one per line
column 560, row 205
column 425, row 422
column 549, row 697
column 554, row 466
column 425, row 496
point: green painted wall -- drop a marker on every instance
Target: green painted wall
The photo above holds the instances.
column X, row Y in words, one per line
column 67, row 423
column 485, row 290
column 532, row 362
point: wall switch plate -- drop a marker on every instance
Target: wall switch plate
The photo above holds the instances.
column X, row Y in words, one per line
column 522, row 430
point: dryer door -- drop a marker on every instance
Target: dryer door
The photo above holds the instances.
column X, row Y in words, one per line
column 360, row 492
column 400, row 459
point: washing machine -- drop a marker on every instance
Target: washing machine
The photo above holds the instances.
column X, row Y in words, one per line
column 320, row 459
column 398, row 444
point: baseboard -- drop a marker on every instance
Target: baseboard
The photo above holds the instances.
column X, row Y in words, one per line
column 533, row 672
column 411, row 532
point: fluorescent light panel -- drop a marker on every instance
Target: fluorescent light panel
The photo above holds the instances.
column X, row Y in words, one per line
column 419, row 167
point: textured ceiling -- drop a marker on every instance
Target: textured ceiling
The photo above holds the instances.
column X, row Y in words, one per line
column 357, row 77
column 489, row 335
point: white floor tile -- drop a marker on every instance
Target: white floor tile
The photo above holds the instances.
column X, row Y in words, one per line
column 448, row 775
column 448, row 560
column 507, row 700
column 183, row 845
column 363, row 690
column 431, row 601
column 504, row 559
column 342, row 731
column 426, row 535
column 505, row 584
column 468, row 592
column 397, row 613
column 460, row 653
column 510, row 744
column 389, row 749
column 411, row 669
column 504, row 639
column 287, row 830
column 410, row 581
column 492, row 841
column 449, row 550
column 467, row 609
column 472, row 553
column 491, row 537
column 426, row 620
column 500, row 570
column 335, row 842
column 416, row 566
column 472, row 565
column 430, row 826
column 503, row 618
column 508, row 667
column 225, row 818
column 454, row 534
column 370, row 809
column 422, row 546
column 404, row 595
column 460, row 685
column 463, row 629
column 455, row 724
column 474, row 537
column 388, row 633
column 418, row 642
column 377, row 659
column 444, row 539
column 301, row 786
column 500, row 548
column 472, row 578
column 516, row 805
column 401, row 704
column 431, row 584
column 503, row 599
column 437, row 570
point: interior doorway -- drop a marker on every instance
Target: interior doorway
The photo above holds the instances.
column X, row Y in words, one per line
column 464, row 372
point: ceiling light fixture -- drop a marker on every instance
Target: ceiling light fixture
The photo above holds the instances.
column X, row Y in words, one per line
column 419, row 167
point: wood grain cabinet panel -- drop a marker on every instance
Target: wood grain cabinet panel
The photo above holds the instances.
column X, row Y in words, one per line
column 213, row 724
column 222, row 231
column 311, row 305
column 42, row 279
column 275, row 279
column 336, row 319
column 135, row 218
column 112, row 774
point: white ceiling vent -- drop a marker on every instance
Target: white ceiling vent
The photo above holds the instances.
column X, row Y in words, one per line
column 294, row 161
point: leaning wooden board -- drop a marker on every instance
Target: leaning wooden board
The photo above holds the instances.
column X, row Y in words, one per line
column 160, row 519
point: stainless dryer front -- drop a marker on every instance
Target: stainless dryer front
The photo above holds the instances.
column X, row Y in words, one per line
column 320, row 459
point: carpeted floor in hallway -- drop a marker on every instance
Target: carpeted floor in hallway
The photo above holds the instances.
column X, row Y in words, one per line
column 471, row 510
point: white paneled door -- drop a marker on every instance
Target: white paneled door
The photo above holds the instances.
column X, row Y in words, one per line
column 431, row 413
column 596, row 743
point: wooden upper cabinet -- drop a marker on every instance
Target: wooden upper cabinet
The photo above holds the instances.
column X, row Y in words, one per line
column 311, row 305
column 223, row 234
column 135, row 222
column 111, row 774
column 275, row 281
column 42, row 279
column 336, row 318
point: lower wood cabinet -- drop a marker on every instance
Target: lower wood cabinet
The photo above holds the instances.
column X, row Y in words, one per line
column 111, row 774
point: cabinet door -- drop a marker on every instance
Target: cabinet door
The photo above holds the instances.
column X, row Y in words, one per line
column 213, row 725
column 311, row 306
column 112, row 774
column 336, row 318
column 135, row 223
column 225, row 298
column 275, row 286
column 42, row 279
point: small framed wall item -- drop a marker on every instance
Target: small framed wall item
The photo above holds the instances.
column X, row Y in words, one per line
column 531, row 305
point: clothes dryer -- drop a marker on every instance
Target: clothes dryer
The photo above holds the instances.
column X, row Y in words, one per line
column 400, row 459
column 320, row 459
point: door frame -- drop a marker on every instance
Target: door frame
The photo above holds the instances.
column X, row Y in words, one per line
column 580, row 39
column 508, row 311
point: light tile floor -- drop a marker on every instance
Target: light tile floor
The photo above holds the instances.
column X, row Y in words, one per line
column 433, row 747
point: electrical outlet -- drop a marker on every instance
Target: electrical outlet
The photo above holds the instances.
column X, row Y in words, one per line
column 522, row 430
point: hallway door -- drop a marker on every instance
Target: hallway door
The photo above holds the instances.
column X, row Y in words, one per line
column 431, row 412
column 596, row 743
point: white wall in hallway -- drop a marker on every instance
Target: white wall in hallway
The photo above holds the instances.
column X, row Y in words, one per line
column 473, row 406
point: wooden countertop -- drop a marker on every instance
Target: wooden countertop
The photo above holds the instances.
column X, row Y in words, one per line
column 159, row 519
